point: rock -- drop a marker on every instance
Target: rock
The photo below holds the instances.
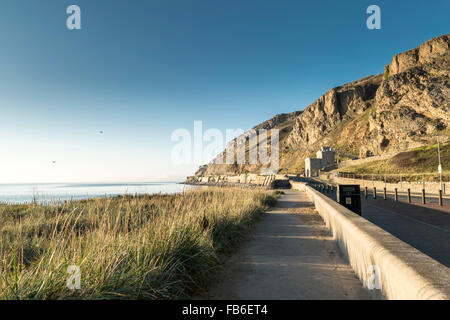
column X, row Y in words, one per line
column 337, row 105
column 426, row 52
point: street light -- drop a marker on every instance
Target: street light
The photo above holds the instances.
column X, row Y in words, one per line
column 440, row 166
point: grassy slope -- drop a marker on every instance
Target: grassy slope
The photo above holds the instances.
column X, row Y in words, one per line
column 423, row 160
column 146, row 247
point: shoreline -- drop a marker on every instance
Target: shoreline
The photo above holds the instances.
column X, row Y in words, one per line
column 251, row 181
column 227, row 184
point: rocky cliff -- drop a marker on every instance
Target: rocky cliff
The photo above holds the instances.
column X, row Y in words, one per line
column 404, row 108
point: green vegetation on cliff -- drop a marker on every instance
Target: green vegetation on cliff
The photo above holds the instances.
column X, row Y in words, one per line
column 423, row 160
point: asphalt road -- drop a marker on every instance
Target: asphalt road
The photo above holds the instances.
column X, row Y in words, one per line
column 425, row 229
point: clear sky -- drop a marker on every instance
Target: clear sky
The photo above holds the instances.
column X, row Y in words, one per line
column 138, row 70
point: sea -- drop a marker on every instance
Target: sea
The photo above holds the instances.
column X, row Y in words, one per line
column 59, row 192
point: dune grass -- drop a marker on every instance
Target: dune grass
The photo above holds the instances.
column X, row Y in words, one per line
column 128, row 247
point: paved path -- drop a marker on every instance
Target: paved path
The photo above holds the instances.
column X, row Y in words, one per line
column 291, row 256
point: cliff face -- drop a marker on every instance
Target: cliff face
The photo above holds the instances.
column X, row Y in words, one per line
column 412, row 105
column 425, row 53
column 337, row 105
column 283, row 122
column 371, row 116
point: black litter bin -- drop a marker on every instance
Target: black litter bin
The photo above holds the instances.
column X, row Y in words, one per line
column 349, row 196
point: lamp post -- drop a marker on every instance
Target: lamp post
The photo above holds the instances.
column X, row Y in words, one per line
column 440, row 166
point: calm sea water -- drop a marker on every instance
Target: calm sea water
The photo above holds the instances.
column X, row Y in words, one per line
column 52, row 192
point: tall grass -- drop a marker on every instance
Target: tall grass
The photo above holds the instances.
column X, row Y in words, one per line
column 144, row 247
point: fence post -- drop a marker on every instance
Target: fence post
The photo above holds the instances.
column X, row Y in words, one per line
column 374, row 192
column 440, row 198
column 409, row 195
column 385, row 195
column 395, row 195
column 423, row 196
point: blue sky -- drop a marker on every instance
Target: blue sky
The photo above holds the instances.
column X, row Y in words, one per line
column 138, row 70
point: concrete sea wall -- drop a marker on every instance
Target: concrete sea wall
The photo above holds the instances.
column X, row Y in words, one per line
column 274, row 181
column 404, row 272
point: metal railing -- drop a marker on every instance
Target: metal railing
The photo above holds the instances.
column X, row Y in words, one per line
column 396, row 178
column 330, row 188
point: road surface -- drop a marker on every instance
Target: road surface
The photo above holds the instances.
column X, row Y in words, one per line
column 291, row 256
column 426, row 229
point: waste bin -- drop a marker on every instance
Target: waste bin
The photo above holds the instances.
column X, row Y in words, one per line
column 349, row 196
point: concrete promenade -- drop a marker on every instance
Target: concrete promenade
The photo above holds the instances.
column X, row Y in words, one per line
column 291, row 255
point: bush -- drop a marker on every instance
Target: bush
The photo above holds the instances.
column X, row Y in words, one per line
column 386, row 72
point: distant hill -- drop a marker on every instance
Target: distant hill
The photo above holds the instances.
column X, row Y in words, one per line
column 402, row 109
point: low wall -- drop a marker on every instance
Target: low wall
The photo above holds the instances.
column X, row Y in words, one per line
column 430, row 187
column 405, row 272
